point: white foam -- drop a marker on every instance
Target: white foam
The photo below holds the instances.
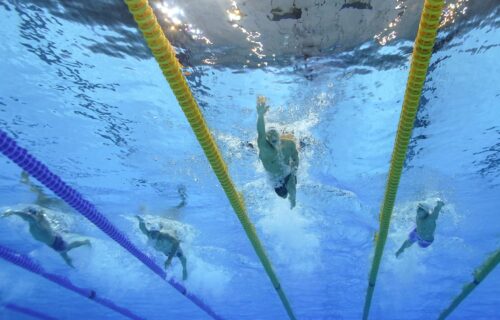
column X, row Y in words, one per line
column 205, row 279
column 291, row 235
column 110, row 263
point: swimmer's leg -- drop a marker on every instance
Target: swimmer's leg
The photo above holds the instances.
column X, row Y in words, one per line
column 171, row 254
column 291, row 187
column 181, row 257
column 78, row 243
column 408, row 243
column 169, row 261
column 67, row 259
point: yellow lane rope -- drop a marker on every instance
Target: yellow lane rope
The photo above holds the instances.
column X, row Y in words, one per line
column 481, row 273
column 429, row 23
column 165, row 56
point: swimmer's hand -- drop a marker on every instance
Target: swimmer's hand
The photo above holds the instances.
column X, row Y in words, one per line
column 7, row 214
column 139, row 218
column 261, row 105
column 440, row 204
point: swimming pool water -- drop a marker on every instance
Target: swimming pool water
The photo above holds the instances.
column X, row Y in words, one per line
column 96, row 109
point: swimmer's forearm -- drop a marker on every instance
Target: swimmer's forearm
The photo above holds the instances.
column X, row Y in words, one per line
column 261, row 128
column 142, row 226
column 435, row 212
column 24, row 216
column 295, row 160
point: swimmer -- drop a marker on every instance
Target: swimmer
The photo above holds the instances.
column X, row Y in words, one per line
column 165, row 243
column 42, row 230
column 423, row 234
column 278, row 155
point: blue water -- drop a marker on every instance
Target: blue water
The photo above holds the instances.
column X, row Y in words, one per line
column 106, row 122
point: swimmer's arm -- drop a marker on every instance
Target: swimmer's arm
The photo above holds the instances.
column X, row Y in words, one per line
column 24, row 216
column 261, row 131
column 437, row 210
column 142, row 225
column 295, row 158
column 37, row 190
column 261, row 126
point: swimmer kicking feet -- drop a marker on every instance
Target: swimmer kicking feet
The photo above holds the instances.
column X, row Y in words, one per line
column 278, row 155
column 423, row 234
column 42, row 230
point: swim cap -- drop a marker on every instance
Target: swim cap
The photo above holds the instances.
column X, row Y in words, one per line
column 424, row 206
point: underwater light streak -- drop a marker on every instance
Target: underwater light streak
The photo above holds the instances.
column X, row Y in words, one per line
column 173, row 15
column 234, row 14
column 383, row 37
column 452, row 11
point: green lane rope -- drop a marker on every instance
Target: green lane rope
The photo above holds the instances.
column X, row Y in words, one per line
column 479, row 275
column 422, row 52
column 165, row 56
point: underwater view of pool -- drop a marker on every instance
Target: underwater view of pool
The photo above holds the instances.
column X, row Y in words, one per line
column 111, row 207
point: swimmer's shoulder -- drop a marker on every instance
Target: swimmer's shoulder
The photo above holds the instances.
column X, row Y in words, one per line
column 289, row 143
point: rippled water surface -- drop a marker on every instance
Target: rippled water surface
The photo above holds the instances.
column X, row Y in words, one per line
column 82, row 93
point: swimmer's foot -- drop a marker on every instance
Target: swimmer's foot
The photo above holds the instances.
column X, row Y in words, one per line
column 167, row 264
column 25, row 177
column 67, row 259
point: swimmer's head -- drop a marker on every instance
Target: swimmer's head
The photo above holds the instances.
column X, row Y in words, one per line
column 34, row 211
column 273, row 137
column 154, row 227
column 422, row 211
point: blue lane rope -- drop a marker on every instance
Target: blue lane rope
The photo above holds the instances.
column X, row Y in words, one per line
column 28, row 312
column 30, row 265
column 35, row 168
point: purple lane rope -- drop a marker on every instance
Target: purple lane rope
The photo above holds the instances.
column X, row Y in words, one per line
column 30, row 265
column 28, row 311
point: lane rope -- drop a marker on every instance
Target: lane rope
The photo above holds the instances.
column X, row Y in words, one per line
column 422, row 51
column 28, row 311
column 171, row 68
column 479, row 275
column 28, row 264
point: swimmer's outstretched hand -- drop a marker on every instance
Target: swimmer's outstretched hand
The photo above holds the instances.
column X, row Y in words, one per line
column 440, row 203
column 261, row 105
column 7, row 214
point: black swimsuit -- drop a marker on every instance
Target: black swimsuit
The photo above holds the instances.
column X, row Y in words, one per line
column 281, row 190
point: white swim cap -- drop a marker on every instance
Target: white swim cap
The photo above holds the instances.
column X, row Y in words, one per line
column 424, row 206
